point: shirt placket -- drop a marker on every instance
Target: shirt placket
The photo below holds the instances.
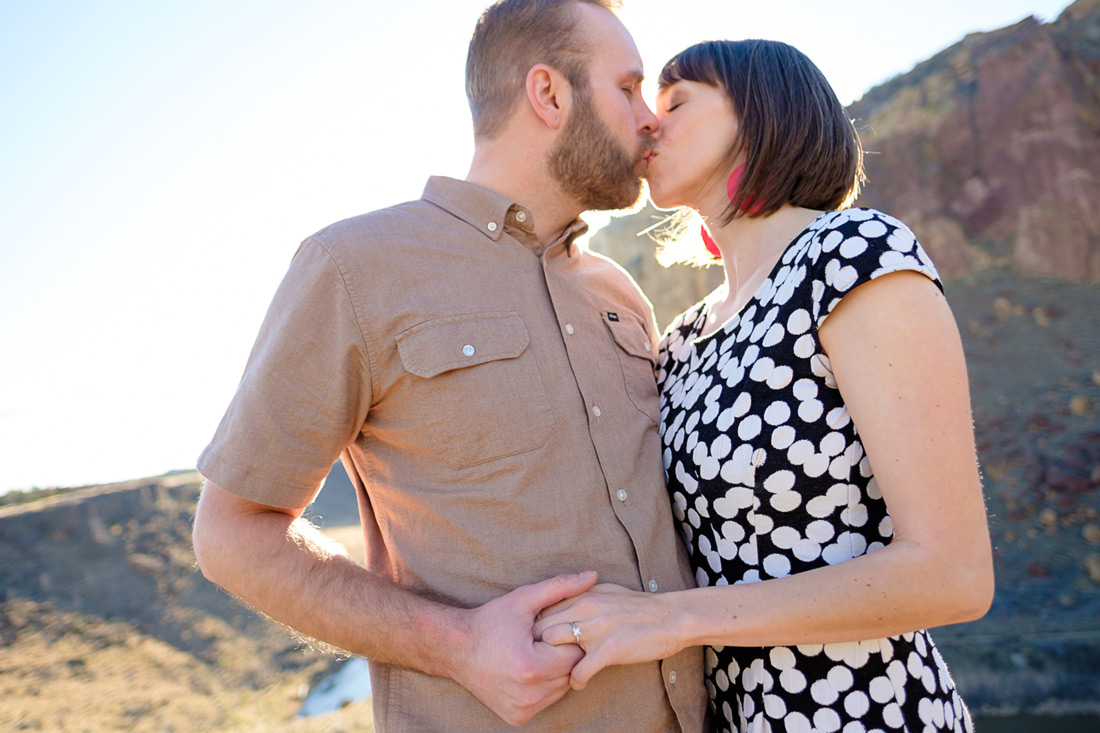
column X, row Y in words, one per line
column 594, row 362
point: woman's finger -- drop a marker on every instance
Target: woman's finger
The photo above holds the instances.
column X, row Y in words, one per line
column 555, row 618
column 586, row 669
column 556, row 634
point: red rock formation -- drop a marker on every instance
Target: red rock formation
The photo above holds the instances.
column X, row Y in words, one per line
column 990, row 150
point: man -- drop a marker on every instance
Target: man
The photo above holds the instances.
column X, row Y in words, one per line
column 489, row 387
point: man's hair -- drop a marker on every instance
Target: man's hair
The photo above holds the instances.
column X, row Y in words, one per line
column 799, row 146
column 512, row 36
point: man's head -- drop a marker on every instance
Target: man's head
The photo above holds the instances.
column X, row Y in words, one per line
column 600, row 143
column 512, row 36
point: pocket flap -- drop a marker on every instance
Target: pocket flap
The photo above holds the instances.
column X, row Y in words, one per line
column 454, row 342
column 631, row 338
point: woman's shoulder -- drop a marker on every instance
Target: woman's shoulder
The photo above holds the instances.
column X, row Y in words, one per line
column 862, row 221
column 856, row 245
column 865, row 237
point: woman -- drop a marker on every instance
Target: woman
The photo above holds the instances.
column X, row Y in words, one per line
column 815, row 420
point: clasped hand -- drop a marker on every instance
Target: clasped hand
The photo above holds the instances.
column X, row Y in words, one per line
column 616, row 625
column 504, row 664
column 520, row 654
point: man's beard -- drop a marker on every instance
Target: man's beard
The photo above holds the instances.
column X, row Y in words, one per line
column 591, row 165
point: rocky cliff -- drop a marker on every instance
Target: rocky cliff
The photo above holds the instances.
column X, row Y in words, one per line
column 990, row 150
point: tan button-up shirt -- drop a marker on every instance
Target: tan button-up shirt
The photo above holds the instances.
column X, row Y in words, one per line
column 495, row 405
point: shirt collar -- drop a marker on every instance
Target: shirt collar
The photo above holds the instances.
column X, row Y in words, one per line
column 492, row 214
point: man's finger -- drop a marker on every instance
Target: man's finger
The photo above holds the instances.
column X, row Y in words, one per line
column 553, row 691
column 557, row 607
column 550, row 591
column 558, row 661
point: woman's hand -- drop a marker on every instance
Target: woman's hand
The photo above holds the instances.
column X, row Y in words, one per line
column 617, row 626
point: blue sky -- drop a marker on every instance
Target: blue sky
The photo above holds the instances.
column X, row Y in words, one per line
column 160, row 162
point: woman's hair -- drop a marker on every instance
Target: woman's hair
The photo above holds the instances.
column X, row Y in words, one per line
column 512, row 36
column 799, row 147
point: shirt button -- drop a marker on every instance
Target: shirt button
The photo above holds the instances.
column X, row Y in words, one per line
column 596, row 410
column 653, row 586
column 521, row 216
column 672, row 678
column 621, row 494
column 569, row 328
column 468, row 350
column 491, row 226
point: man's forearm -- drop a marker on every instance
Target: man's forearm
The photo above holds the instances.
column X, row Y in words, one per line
column 284, row 567
column 287, row 569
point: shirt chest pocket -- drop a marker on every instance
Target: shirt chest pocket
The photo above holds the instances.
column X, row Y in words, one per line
column 480, row 395
column 637, row 362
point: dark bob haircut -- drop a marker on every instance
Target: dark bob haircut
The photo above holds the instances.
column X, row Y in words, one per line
column 799, row 147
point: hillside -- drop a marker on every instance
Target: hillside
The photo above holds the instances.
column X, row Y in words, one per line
column 106, row 625
column 991, row 148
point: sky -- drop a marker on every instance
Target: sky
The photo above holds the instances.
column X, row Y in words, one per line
column 161, row 161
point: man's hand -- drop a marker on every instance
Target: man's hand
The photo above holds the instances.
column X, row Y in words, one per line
column 503, row 665
column 276, row 562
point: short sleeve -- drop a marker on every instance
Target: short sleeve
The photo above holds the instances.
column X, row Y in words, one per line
column 857, row 246
column 304, row 394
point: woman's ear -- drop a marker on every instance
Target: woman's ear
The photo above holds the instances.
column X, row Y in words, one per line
column 548, row 93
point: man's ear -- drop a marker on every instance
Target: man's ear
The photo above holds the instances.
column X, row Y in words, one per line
column 548, row 93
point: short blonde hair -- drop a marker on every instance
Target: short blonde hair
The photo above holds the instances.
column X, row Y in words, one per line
column 512, row 36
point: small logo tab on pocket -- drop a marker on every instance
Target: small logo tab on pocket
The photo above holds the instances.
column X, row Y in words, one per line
column 612, row 316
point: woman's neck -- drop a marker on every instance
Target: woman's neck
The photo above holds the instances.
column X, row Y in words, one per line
column 750, row 248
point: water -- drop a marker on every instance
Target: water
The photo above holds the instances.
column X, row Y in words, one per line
column 350, row 683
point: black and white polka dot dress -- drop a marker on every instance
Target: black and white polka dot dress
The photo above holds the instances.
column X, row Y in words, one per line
column 768, row 478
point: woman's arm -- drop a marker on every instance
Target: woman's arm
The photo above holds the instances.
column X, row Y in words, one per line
column 897, row 358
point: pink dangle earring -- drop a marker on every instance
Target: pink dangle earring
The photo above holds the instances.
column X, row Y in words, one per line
column 731, row 191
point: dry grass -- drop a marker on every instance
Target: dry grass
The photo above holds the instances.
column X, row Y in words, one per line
column 63, row 671
column 108, row 627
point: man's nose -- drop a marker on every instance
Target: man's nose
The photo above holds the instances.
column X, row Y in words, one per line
column 647, row 121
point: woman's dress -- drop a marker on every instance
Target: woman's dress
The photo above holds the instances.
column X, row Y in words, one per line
column 768, row 478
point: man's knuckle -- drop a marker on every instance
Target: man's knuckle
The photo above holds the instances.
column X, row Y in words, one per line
column 528, row 675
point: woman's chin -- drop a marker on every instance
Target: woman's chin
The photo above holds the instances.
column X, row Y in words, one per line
column 659, row 198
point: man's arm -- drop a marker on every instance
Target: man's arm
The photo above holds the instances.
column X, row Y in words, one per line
column 281, row 565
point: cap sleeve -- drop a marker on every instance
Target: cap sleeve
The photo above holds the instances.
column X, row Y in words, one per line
column 304, row 394
column 857, row 246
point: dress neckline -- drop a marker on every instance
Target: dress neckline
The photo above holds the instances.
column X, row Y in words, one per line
column 708, row 302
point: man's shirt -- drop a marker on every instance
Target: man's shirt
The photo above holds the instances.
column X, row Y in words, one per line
column 494, row 403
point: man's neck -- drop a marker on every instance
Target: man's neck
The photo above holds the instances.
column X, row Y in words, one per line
column 521, row 177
